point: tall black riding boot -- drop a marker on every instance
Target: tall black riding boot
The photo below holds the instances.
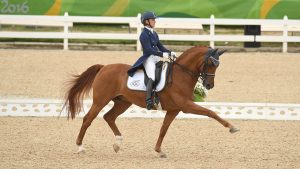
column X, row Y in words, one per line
column 149, row 92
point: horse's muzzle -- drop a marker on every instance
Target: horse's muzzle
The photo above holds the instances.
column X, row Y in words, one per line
column 208, row 86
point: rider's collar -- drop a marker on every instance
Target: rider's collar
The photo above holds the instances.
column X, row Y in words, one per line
column 150, row 29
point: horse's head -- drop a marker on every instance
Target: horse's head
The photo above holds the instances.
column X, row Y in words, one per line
column 211, row 63
column 200, row 61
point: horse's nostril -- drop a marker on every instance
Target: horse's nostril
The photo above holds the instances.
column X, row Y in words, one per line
column 209, row 86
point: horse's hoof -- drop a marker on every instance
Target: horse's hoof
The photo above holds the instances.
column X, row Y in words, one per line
column 80, row 150
column 233, row 130
column 116, row 148
column 162, row 155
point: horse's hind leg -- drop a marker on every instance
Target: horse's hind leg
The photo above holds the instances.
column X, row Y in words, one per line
column 87, row 120
column 110, row 117
column 193, row 108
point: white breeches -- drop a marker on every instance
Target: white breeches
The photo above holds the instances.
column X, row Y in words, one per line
column 149, row 65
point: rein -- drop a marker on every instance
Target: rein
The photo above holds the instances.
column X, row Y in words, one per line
column 202, row 75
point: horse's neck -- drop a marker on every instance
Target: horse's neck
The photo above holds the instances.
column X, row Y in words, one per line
column 190, row 60
column 191, row 63
column 184, row 80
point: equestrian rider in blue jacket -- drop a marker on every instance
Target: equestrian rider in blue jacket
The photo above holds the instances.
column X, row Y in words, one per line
column 153, row 51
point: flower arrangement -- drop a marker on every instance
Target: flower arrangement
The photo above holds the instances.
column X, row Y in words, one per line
column 200, row 92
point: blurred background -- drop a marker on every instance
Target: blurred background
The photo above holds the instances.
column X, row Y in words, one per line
column 197, row 9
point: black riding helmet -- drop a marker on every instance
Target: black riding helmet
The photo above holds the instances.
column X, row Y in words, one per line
column 147, row 15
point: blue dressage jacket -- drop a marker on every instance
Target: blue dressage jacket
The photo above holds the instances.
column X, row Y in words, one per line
column 151, row 46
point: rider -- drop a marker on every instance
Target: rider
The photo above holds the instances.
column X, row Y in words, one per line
column 153, row 50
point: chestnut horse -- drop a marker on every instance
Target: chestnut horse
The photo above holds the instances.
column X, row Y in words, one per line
column 109, row 84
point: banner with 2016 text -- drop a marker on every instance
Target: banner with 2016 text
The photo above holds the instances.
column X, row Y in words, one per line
column 255, row 9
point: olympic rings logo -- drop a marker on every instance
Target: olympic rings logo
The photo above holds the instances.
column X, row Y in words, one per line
column 135, row 83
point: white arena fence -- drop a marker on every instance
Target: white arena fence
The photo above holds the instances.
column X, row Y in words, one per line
column 52, row 108
column 284, row 25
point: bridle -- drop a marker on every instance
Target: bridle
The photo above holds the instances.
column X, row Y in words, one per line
column 203, row 73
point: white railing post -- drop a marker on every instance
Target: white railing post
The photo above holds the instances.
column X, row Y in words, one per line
column 212, row 31
column 66, row 31
column 138, row 32
column 285, row 34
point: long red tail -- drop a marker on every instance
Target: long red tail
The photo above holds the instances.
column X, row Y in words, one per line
column 80, row 85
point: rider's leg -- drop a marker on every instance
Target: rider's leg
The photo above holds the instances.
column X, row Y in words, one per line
column 149, row 65
column 149, row 92
column 155, row 96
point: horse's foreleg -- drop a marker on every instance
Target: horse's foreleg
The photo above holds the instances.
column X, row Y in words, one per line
column 193, row 108
column 170, row 116
column 111, row 116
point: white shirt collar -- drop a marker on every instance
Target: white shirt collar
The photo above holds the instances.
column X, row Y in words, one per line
column 150, row 29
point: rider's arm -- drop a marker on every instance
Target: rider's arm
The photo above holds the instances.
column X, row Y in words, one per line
column 145, row 41
column 161, row 46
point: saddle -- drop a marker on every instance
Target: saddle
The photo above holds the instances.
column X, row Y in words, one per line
column 139, row 80
column 158, row 70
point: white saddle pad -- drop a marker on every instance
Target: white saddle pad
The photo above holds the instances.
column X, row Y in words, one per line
column 136, row 82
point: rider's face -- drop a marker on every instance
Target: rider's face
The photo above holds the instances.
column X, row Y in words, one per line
column 152, row 22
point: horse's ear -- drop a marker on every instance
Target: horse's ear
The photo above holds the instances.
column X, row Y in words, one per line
column 221, row 52
column 214, row 52
column 217, row 53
